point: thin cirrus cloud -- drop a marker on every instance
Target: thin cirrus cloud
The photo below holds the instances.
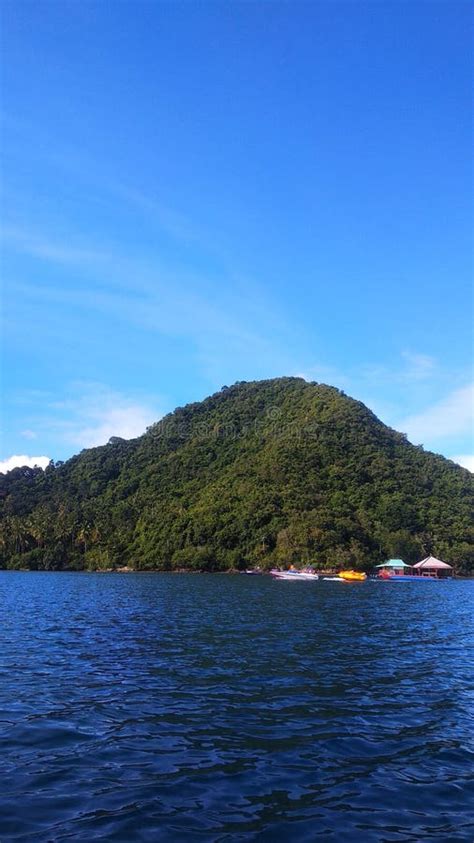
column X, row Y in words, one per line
column 413, row 368
column 96, row 413
column 222, row 332
column 89, row 415
column 170, row 302
column 453, row 416
column 418, row 366
column 38, row 246
column 29, row 434
column 178, row 304
column 126, row 422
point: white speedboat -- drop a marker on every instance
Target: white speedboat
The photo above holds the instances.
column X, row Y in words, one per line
column 294, row 576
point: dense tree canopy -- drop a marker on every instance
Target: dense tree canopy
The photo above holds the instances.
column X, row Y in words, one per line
column 265, row 472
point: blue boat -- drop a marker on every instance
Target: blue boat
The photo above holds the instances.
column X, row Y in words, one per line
column 407, row 578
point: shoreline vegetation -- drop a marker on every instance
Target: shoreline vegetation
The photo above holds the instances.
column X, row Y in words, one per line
column 180, row 572
column 262, row 474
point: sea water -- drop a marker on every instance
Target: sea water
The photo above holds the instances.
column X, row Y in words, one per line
column 155, row 707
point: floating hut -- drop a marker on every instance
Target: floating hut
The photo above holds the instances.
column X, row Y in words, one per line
column 393, row 567
column 432, row 567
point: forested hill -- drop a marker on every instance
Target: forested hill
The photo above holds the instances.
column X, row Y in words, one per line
column 266, row 472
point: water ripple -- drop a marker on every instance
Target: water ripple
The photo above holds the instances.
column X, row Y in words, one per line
column 157, row 707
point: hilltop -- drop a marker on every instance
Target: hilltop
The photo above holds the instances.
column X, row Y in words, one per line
column 265, row 472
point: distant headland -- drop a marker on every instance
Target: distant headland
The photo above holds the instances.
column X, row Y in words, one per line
column 264, row 473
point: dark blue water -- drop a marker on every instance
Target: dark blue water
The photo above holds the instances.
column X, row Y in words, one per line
column 219, row 708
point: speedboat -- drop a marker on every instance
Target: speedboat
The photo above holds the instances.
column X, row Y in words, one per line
column 294, row 576
column 335, row 579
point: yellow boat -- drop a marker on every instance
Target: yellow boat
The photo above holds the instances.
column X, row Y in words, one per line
column 358, row 576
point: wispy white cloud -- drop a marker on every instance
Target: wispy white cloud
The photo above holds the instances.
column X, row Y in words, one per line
column 125, row 421
column 95, row 413
column 69, row 161
column 409, row 367
column 19, row 460
column 452, row 416
column 219, row 329
column 161, row 216
column 29, row 434
column 48, row 248
column 466, row 460
column 371, row 381
column 417, row 366
column 235, row 320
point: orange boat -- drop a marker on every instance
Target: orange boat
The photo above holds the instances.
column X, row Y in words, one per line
column 357, row 576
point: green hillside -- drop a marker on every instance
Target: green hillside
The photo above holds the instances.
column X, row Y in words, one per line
column 265, row 472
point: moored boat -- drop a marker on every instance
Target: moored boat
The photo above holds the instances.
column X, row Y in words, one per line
column 294, row 576
column 353, row 576
column 406, row 578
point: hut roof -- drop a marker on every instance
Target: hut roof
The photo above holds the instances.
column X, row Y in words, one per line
column 394, row 563
column 433, row 563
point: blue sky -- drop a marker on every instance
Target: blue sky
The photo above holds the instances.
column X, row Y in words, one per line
column 198, row 193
